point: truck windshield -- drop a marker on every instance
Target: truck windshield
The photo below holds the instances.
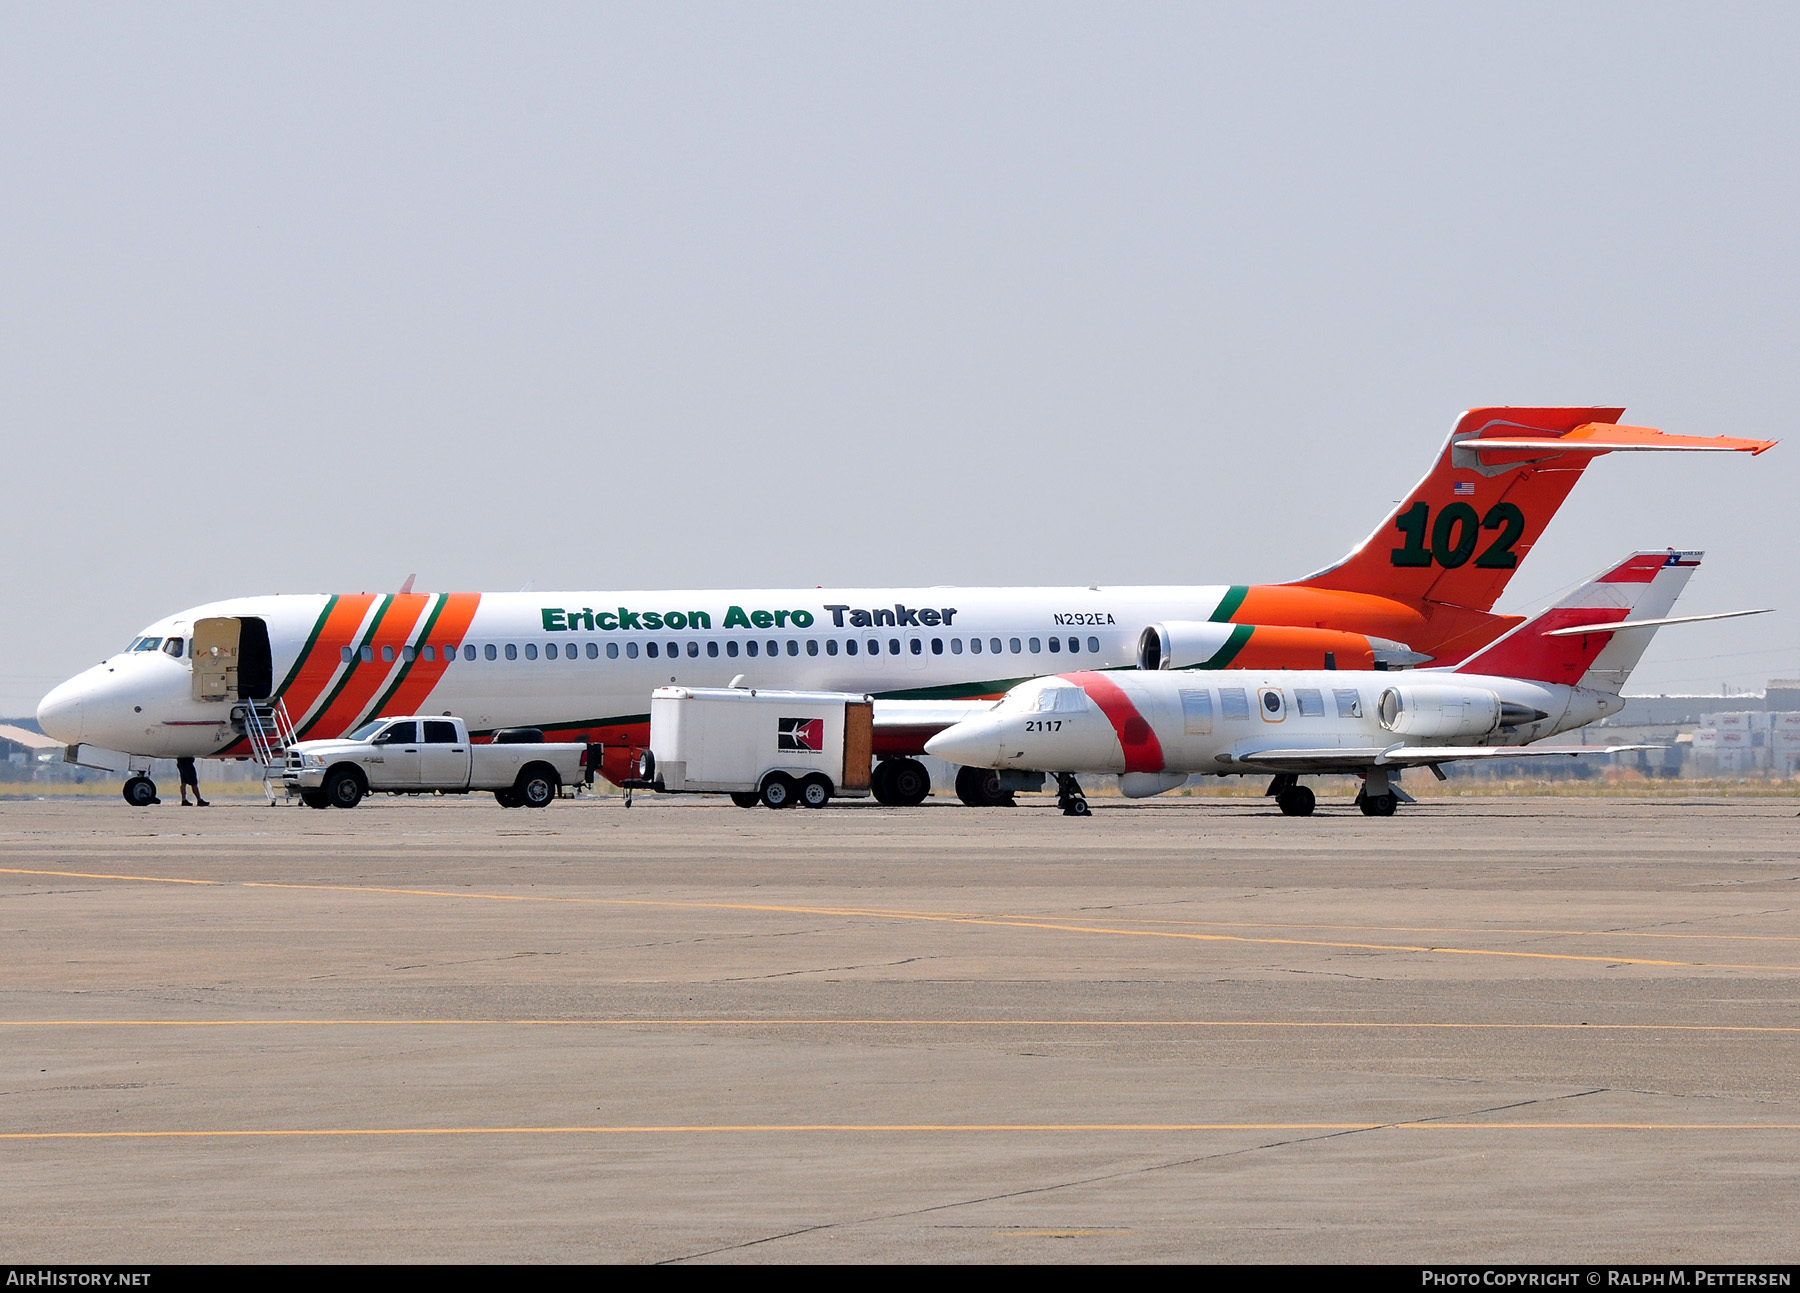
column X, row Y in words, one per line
column 367, row 730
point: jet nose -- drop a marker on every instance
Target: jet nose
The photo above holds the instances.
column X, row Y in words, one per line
column 974, row 743
column 60, row 712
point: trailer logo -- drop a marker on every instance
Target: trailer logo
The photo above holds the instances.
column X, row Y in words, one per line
column 802, row 734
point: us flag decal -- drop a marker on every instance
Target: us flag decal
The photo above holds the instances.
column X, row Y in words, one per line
column 1464, row 487
column 805, row 734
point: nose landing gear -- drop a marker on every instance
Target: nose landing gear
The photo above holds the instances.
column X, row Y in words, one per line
column 140, row 791
column 1069, row 797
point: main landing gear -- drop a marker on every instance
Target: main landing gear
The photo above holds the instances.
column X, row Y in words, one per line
column 980, row 788
column 1294, row 799
column 900, row 783
column 1069, row 797
column 140, row 791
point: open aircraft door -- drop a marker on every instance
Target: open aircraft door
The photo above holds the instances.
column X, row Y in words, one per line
column 231, row 659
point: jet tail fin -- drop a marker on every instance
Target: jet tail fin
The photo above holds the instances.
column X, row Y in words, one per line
column 1457, row 537
column 1557, row 646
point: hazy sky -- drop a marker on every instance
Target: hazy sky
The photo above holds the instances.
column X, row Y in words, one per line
column 306, row 298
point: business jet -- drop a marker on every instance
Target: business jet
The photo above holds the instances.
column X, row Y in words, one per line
column 246, row 677
column 1152, row 729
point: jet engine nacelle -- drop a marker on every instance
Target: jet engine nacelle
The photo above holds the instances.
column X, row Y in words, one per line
column 1439, row 709
column 1186, row 644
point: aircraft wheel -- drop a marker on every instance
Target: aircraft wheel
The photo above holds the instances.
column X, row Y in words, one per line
column 745, row 798
column 1379, row 805
column 908, row 782
column 815, row 792
column 140, row 792
column 345, row 788
column 536, row 788
column 778, row 790
column 980, row 788
column 1296, row 801
column 879, row 785
column 1078, row 807
column 314, row 799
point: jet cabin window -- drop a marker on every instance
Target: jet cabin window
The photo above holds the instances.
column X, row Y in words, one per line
column 1233, row 703
column 1309, row 702
column 1349, row 702
column 1196, row 712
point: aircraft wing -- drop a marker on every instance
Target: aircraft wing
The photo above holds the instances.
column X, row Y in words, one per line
column 1406, row 756
column 903, row 726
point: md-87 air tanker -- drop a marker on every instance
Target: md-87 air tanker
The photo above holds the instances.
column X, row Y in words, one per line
column 1153, row 728
column 211, row 681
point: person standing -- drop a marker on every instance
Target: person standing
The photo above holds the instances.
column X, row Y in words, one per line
column 185, row 766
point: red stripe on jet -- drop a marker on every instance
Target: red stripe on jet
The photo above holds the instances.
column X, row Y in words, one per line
column 321, row 664
column 1143, row 752
column 452, row 623
column 366, row 679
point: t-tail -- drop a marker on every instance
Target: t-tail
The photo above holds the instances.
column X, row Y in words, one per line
column 1596, row 635
column 1457, row 538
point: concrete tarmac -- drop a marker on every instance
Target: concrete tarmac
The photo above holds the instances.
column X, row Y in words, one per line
column 1500, row 1030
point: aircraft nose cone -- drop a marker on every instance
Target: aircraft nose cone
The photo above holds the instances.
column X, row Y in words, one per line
column 60, row 713
column 974, row 743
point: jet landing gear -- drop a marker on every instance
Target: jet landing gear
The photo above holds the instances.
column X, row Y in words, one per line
column 1069, row 797
column 1379, row 796
column 140, row 791
column 980, row 788
column 1294, row 799
column 900, row 783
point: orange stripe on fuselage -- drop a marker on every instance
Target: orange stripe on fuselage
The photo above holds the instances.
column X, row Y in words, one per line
column 367, row 679
column 452, row 623
column 1447, row 633
column 321, row 663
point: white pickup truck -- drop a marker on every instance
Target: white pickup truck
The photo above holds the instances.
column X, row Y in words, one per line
column 422, row 754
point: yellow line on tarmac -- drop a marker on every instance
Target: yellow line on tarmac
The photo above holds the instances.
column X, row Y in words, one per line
column 1459, row 929
column 1196, row 1024
column 949, row 918
column 853, row 1128
column 88, row 875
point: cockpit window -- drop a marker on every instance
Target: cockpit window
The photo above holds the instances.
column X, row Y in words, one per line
column 146, row 644
column 173, row 647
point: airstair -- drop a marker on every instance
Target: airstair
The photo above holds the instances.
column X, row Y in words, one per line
column 270, row 731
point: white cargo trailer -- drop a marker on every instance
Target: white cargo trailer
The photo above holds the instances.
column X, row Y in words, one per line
column 772, row 747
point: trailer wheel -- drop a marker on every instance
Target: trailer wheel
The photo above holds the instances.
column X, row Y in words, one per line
column 815, row 792
column 536, row 787
column 344, row 787
column 778, row 790
column 745, row 798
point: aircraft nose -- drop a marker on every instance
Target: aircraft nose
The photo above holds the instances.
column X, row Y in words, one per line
column 974, row 743
column 60, row 713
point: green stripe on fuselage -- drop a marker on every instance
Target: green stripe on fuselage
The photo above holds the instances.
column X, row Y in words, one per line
column 311, row 641
column 356, row 660
column 406, row 666
column 1227, row 607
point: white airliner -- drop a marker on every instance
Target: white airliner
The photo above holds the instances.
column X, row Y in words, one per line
column 1561, row 670
column 581, row 665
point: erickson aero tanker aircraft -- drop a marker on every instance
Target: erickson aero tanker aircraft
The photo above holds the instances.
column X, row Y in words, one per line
column 582, row 665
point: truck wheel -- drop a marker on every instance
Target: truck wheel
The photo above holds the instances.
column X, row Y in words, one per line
column 139, row 792
column 314, row 799
column 908, row 782
column 778, row 790
column 745, row 798
column 506, row 799
column 815, row 792
column 536, row 787
column 344, row 788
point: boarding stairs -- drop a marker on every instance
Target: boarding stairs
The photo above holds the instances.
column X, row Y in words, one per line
column 266, row 725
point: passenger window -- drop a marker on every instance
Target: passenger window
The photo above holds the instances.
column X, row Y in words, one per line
column 774, row 647
column 915, row 646
column 367, row 654
column 612, row 650
column 793, row 647
column 975, row 646
column 1035, row 646
column 344, row 654
column 752, row 647
column 937, row 646
column 830, row 646
column 550, row 652
column 407, row 654
column 593, row 650
column 1233, row 703
column 1196, row 712
column 874, row 646
column 893, row 646
column 694, row 650
column 489, row 651
column 512, row 651
column 849, row 646
column 631, row 650
column 438, row 732
column 1310, row 702
column 1055, row 645
column 994, row 645
column 1094, row 645
column 652, row 650
column 955, row 646
column 712, row 649
column 429, row 652
column 531, row 650
column 1014, row 643
column 674, row 650
column 1074, row 645
column 731, row 647
column 1349, row 702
